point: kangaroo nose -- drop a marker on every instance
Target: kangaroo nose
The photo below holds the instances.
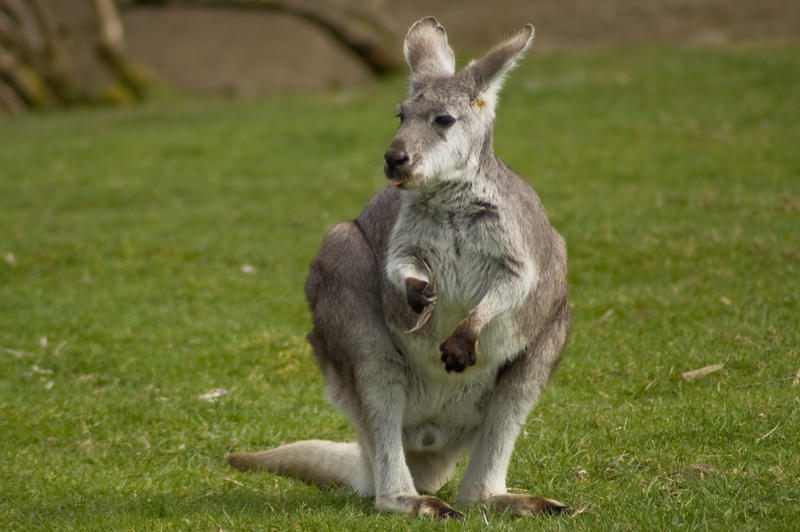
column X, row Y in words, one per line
column 395, row 158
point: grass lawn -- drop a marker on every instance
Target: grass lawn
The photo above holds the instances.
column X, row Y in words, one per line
column 151, row 255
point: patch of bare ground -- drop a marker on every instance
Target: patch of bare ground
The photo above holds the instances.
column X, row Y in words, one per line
column 243, row 52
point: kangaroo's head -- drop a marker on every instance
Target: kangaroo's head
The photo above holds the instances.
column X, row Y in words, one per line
column 446, row 122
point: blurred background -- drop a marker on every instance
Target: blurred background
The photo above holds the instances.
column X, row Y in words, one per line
column 56, row 53
column 153, row 255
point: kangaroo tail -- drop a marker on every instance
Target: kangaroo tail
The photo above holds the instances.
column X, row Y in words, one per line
column 318, row 461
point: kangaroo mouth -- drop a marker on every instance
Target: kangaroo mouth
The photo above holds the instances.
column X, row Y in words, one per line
column 400, row 177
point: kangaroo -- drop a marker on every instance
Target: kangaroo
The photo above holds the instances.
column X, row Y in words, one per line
column 440, row 313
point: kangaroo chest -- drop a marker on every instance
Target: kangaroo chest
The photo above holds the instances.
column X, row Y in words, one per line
column 462, row 242
column 465, row 244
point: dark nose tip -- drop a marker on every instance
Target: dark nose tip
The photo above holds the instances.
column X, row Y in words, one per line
column 395, row 158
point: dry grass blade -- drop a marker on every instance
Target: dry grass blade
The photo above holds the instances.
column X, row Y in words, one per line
column 768, row 434
column 605, row 316
column 690, row 376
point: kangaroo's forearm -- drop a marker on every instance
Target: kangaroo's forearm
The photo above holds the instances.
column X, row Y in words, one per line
column 508, row 292
column 401, row 268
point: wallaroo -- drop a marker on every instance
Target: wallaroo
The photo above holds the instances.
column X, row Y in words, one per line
column 441, row 311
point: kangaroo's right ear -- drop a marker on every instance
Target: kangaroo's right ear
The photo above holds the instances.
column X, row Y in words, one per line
column 427, row 52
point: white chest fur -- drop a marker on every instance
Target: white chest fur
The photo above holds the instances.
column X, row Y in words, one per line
column 465, row 241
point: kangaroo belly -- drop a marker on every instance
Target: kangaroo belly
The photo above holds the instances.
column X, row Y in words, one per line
column 444, row 410
column 438, row 418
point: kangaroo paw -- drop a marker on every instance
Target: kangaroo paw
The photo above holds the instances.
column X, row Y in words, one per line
column 421, row 297
column 458, row 351
column 420, row 294
column 418, row 505
column 524, row 505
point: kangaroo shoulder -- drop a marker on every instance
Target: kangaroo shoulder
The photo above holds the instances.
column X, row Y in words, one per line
column 378, row 218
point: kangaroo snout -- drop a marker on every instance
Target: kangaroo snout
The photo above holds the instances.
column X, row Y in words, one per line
column 395, row 158
column 398, row 164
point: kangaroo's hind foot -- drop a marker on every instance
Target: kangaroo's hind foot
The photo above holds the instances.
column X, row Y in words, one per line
column 525, row 505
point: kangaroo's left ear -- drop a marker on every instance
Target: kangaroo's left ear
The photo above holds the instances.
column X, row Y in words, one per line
column 489, row 72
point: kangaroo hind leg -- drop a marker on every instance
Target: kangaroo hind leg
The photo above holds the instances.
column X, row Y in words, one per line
column 366, row 375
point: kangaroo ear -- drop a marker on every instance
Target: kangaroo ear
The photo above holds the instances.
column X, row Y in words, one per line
column 426, row 50
column 489, row 72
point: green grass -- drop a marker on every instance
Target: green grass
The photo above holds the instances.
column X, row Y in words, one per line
column 674, row 175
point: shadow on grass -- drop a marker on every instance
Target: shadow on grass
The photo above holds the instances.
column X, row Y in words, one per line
column 112, row 510
column 239, row 508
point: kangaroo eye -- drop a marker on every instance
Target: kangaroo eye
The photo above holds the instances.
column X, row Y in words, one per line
column 444, row 120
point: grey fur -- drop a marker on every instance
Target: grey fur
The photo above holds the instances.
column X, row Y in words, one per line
column 440, row 312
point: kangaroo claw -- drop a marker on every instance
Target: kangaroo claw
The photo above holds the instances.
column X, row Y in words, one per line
column 421, row 296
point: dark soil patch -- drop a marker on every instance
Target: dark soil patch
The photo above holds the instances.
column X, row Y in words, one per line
column 248, row 52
